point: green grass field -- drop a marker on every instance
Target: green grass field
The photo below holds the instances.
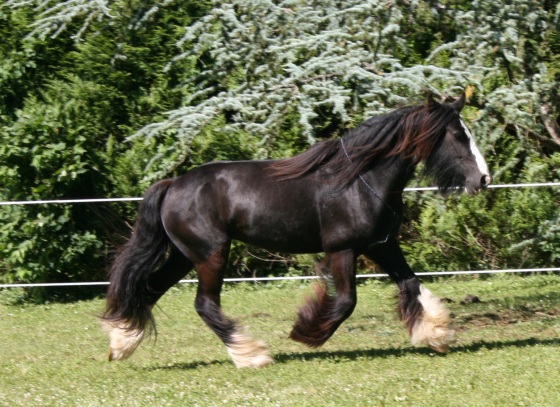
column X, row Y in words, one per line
column 507, row 353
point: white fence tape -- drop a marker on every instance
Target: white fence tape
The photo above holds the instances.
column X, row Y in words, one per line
column 497, row 186
column 295, row 278
column 100, row 200
column 69, row 201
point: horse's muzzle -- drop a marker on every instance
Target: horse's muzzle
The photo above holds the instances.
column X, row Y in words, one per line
column 485, row 180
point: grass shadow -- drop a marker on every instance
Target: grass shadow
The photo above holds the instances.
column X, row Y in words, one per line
column 401, row 352
column 351, row 355
column 518, row 343
column 185, row 365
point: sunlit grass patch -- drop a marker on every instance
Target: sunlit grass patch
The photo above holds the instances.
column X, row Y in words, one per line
column 507, row 352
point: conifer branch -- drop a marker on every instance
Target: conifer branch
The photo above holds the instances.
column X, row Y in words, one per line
column 551, row 125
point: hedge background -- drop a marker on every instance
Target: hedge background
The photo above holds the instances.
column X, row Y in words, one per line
column 101, row 98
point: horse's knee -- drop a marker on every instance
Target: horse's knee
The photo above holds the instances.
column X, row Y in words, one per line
column 321, row 316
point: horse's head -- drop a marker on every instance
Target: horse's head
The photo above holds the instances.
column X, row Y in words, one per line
column 456, row 161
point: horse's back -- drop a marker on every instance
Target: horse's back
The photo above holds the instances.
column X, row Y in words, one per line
column 242, row 200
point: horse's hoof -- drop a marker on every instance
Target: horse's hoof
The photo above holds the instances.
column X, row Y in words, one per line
column 444, row 348
column 432, row 328
column 122, row 341
column 248, row 352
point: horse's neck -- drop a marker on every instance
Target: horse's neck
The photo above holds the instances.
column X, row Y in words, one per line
column 389, row 176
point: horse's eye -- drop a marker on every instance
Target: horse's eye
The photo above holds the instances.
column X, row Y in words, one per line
column 460, row 136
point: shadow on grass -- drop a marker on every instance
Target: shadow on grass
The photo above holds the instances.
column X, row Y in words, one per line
column 186, row 366
column 342, row 356
column 401, row 352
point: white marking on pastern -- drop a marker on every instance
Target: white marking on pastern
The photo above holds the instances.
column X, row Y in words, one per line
column 247, row 352
column 432, row 328
column 122, row 340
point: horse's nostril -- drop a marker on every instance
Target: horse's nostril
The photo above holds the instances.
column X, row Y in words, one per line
column 485, row 181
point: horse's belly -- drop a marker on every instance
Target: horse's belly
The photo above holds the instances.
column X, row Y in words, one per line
column 287, row 246
column 281, row 237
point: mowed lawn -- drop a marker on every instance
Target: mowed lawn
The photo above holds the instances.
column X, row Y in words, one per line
column 507, row 353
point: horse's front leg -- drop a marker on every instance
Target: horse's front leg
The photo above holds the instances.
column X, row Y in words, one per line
column 425, row 316
column 322, row 314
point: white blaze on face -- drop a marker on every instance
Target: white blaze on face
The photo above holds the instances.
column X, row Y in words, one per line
column 482, row 166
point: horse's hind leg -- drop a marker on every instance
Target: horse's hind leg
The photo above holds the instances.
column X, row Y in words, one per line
column 123, row 341
column 320, row 317
column 243, row 350
column 175, row 268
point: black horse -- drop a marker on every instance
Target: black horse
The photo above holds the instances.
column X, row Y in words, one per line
column 342, row 197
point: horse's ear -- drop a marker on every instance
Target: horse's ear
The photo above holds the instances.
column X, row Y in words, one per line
column 430, row 101
column 459, row 103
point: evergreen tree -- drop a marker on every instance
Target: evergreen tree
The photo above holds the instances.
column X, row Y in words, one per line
column 77, row 91
column 320, row 66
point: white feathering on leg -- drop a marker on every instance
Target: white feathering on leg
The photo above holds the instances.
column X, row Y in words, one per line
column 122, row 341
column 247, row 352
column 432, row 328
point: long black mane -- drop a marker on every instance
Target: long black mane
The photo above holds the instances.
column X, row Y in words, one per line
column 411, row 132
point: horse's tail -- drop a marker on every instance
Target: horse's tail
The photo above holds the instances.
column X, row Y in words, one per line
column 128, row 297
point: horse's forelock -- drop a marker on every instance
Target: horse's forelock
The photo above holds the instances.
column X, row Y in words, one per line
column 421, row 130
